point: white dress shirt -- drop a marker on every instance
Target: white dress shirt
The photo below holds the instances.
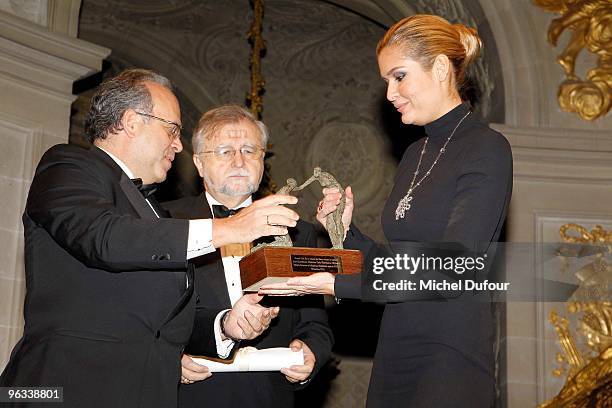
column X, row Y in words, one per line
column 231, row 263
column 232, row 280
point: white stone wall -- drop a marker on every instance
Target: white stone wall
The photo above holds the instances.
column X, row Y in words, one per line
column 37, row 69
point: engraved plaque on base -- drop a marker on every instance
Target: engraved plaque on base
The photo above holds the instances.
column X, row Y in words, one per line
column 276, row 264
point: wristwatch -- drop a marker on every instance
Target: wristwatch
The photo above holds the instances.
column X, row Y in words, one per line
column 223, row 320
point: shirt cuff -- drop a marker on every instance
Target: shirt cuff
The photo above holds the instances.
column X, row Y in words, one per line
column 348, row 286
column 224, row 347
column 199, row 240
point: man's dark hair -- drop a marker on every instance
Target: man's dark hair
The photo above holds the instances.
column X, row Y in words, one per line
column 116, row 95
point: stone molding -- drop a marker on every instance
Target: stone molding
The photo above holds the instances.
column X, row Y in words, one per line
column 560, row 155
column 63, row 16
column 35, row 55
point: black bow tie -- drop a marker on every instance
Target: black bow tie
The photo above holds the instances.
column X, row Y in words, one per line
column 221, row 211
column 145, row 189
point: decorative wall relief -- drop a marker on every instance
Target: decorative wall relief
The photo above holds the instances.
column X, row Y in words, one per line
column 590, row 23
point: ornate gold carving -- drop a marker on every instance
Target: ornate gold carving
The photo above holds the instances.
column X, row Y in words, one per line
column 254, row 97
column 591, row 24
column 597, row 235
column 589, row 373
column 590, row 387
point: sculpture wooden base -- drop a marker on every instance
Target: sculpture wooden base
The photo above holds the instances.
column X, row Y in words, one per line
column 277, row 264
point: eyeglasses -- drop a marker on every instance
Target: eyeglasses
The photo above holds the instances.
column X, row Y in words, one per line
column 174, row 132
column 227, row 154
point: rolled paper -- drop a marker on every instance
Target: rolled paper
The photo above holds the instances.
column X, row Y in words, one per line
column 252, row 359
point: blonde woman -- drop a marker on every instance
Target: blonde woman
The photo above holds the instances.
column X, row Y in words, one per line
column 453, row 185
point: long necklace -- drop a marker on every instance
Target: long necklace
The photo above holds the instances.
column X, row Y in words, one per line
column 405, row 203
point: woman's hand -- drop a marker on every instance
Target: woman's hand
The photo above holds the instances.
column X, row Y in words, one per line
column 321, row 283
column 329, row 203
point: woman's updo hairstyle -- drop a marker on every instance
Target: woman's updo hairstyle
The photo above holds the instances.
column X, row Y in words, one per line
column 422, row 37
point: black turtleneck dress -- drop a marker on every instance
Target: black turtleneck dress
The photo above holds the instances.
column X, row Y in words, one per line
column 440, row 354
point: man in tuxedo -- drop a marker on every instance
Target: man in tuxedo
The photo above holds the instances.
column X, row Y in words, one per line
column 109, row 303
column 229, row 145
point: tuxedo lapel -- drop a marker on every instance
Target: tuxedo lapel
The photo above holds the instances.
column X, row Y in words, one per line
column 144, row 211
column 136, row 199
column 211, row 285
column 157, row 207
column 181, row 277
column 204, row 208
column 213, row 273
column 186, row 294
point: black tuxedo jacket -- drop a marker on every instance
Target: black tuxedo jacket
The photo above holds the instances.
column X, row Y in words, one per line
column 107, row 309
column 301, row 318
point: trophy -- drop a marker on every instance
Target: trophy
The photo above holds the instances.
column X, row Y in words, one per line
column 279, row 260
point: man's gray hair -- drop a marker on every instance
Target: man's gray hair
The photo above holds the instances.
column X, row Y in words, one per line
column 213, row 120
column 116, row 95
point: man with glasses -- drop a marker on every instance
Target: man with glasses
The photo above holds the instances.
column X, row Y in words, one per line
column 229, row 146
column 109, row 298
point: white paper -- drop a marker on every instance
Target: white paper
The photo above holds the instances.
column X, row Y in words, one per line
column 251, row 359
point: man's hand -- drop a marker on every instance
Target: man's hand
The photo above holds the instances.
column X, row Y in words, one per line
column 297, row 373
column 264, row 217
column 192, row 371
column 321, row 283
column 329, row 203
column 247, row 319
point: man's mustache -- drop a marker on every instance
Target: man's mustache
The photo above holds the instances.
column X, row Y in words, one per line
column 239, row 173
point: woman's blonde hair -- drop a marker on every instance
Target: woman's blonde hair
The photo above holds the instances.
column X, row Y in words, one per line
column 423, row 37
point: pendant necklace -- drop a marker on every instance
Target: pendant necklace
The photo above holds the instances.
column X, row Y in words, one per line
column 405, row 203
